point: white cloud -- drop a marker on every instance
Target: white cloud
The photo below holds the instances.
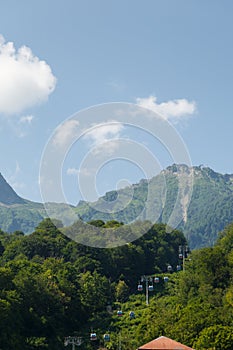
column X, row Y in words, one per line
column 22, row 127
column 17, row 169
column 83, row 171
column 72, row 171
column 14, row 178
column 26, row 119
column 25, row 80
column 104, row 137
column 106, row 132
column 173, row 110
column 108, row 147
column 66, row 133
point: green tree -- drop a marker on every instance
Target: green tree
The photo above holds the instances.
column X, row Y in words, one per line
column 122, row 291
column 217, row 337
column 94, row 291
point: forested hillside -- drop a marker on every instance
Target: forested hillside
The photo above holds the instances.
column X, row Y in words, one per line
column 208, row 212
column 52, row 287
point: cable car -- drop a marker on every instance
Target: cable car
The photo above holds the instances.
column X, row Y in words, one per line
column 166, row 279
column 140, row 287
column 93, row 336
column 106, row 337
column 131, row 315
column 178, row 267
column 169, row 268
column 151, row 288
column 156, row 279
column 119, row 313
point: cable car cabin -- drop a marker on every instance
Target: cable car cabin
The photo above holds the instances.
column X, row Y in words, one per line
column 106, row 337
column 169, row 268
column 178, row 267
column 166, row 279
column 131, row 315
column 180, row 256
column 140, row 287
column 156, row 279
column 93, row 336
column 151, row 288
column 119, row 313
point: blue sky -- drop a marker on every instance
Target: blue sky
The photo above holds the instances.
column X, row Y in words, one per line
column 174, row 56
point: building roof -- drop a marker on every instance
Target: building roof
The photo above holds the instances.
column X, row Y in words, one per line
column 162, row 343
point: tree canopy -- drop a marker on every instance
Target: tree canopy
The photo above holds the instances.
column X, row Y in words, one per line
column 52, row 287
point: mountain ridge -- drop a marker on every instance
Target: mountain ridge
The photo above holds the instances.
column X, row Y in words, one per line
column 210, row 208
column 7, row 195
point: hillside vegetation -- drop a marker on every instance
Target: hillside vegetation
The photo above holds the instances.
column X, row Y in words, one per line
column 209, row 211
column 52, row 287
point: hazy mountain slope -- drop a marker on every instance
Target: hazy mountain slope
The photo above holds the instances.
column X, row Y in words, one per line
column 7, row 195
column 21, row 217
column 209, row 211
column 17, row 213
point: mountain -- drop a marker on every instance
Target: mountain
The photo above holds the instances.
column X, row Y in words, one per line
column 17, row 213
column 165, row 198
column 7, row 195
column 210, row 208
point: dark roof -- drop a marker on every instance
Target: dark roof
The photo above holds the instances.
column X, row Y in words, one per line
column 162, row 343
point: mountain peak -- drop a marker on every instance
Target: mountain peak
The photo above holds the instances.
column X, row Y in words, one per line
column 7, row 195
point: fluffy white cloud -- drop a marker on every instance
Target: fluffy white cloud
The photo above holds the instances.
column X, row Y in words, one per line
column 25, row 80
column 102, row 133
column 104, row 137
column 173, row 110
column 66, row 133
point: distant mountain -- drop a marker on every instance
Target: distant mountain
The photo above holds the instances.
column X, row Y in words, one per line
column 7, row 195
column 209, row 211
column 17, row 213
column 164, row 198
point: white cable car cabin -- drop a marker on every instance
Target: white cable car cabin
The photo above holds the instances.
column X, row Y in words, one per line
column 119, row 313
column 106, row 337
column 151, row 288
column 140, row 287
column 131, row 315
column 169, row 268
column 93, row 336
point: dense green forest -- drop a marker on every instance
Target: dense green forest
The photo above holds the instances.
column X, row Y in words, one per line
column 52, row 287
